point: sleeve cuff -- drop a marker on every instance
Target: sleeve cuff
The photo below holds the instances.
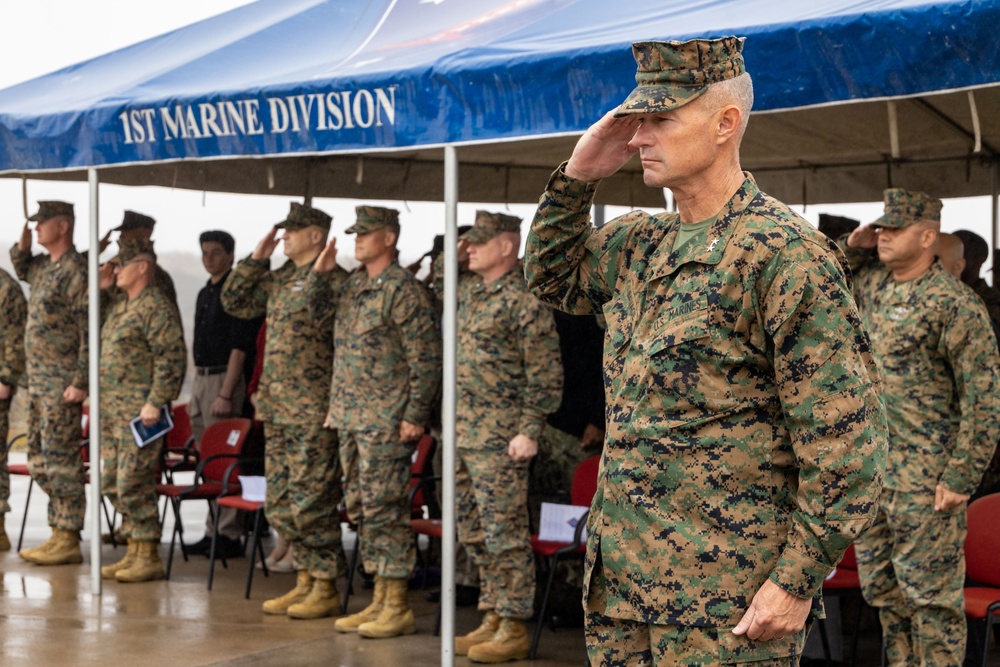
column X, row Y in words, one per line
column 798, row 574
column 531, row 427
column 570, row 191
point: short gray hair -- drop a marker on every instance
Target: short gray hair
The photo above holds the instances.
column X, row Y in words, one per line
column 737, row 91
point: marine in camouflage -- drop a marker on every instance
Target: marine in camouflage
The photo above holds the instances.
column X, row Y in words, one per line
column 56, row 349
column 508, row 379
column 302, row 460
column 938, row 356
column 386, row 370
column 745, row 428
column 304, row 494
column 15, row 313
column 143, row 361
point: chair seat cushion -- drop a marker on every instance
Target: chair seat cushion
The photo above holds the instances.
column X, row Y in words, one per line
column 238, row 502
column 431, row 527
column 978, row 601
column 842, row 579
column 549, row 548
column 204, row 491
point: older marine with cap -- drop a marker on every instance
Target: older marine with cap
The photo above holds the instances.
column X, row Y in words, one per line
column 386, row 373
column 745, row 430
column 143, row 361
column 56, row 346
column 935, row 345
column 508, row 380
column 302, row 461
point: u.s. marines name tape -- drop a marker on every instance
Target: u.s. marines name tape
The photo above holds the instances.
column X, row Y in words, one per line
column 324, row 112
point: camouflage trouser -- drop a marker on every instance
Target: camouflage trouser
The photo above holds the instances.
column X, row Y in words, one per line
column 491, row 492
column 4, row 473
column 912, row 569
column 377, row 479
column 54, row 459
column 128, row 479
column 613, row 642
column 552, row 470
column 304, row 493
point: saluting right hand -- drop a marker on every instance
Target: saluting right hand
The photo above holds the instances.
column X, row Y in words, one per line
column 863, row 237
column 24, row 243
column 106, row 275
column 604, row 148
column 105, row 241
column 267, row 244
column 327, row 260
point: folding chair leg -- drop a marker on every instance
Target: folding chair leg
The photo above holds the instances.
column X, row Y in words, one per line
column 826, row 641
column 24, row 520
column 211, row 551
column 254, row 549
column 544, row 609
column 173, row 538
column 111, row 522
column 857, row 632
column 351, row 569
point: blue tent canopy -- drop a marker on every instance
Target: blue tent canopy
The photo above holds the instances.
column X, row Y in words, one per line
column 222, row 104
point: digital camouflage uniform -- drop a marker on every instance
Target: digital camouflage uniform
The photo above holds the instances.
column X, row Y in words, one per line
column 15, row 313
column 990, row 296
column 386, row 370
column 508, row 378
column 939, row 362
column 143, row 360
column 745, row 432
column 56, row 348
column 302, row 464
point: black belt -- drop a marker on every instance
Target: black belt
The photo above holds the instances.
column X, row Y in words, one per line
column 211, row 370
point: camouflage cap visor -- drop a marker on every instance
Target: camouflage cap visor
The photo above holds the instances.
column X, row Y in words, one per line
column 365, row 226
column 479, row 234
column 657, row 99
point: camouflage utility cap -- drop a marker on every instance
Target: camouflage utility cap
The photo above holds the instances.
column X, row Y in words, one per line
column 905, row 207
column 50, row 209
column 301, row 216
column 370, row 218
column 133, row 220
column 489, row 225
column 134, row 249
column 671, row 74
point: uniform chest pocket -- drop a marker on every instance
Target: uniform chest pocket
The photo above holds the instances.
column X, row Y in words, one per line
column 367, row 317
column 685, row 361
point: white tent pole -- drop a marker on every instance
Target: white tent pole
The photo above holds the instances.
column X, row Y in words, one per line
column 995, row 202
column 94, row 426
column 448, row 332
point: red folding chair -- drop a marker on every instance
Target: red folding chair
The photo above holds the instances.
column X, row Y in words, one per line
column 582, row 493
column 982, row 567
column 221, row 445
column 180, row 451
column 843, row 582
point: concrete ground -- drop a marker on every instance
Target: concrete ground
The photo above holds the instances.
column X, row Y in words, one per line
column 50, row 616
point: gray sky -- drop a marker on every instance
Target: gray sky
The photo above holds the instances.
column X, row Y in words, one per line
column 45, row 35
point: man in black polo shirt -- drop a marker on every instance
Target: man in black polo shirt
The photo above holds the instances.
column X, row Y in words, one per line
column 221, row 345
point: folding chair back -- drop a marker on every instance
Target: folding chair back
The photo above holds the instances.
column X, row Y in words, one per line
column 219, row 443
column 585, row 481
column 421, row 476
column 181, row 435
column 982, row 542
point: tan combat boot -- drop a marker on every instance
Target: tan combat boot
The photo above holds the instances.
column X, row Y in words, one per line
column 321, row 602
column 145, row 566
column 31, row 553
column 485, row 632
column 280, row 605
column 369, row 613
column 64, row 550
column 510, row 642
column 109, row 571
column 4, row 540
column 395, row 618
